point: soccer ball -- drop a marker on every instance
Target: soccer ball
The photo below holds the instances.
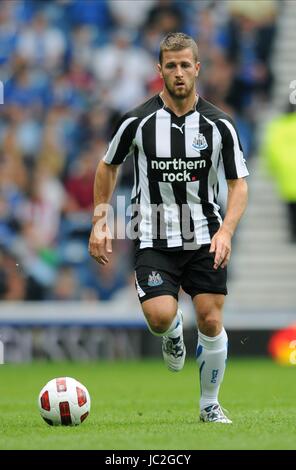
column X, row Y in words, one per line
column 64, row 401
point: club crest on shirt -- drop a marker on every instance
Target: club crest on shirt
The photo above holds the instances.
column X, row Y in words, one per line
column 199, row 142
column 154, row 279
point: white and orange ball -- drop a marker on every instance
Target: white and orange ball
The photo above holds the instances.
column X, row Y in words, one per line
column 64, row 401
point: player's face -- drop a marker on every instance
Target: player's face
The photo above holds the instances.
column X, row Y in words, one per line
column 179, row 71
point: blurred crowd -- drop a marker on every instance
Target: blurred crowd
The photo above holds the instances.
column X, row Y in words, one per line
column 70, row 69
column 278, row 151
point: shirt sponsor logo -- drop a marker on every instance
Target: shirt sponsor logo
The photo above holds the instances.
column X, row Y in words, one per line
column 168, row 171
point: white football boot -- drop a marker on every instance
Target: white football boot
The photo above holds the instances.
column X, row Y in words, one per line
column 214, row 414
column 174, row 351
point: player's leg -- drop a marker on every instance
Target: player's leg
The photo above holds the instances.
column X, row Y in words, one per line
column 207, row 288
column 158, row 283
column 165, row 319
column 160, row 313
column 211, row 354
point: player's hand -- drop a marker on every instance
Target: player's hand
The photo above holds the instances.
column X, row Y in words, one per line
column 221, row 246
column 100, row 243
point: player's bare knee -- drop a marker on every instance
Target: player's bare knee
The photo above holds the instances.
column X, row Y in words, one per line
column 210, row 325
column 159, row 325
column 160, row 312
column 159, row 315
column 159, row 322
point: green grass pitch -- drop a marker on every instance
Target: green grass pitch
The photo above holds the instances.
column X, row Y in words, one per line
column 141, row 405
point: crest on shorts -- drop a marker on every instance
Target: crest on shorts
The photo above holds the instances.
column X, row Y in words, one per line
column 199, row 142
column 154, row 279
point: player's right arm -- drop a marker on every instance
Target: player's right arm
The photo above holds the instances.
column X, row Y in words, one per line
column 100, row 241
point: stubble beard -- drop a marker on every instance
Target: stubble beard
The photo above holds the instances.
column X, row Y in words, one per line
column 181, row 94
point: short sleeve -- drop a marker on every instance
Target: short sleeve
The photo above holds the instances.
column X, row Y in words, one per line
column 121, row 143
column 231, row 150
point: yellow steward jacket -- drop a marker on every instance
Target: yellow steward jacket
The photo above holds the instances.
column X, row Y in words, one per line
column 279, row 150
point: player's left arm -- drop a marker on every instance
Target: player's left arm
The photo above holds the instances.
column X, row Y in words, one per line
column 235, row 172
column 236, row 205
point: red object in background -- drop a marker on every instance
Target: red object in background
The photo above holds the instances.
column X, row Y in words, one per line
column 155, row 85
column 282, row 346
column 81, row 189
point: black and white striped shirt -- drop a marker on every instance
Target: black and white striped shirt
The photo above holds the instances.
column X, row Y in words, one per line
column 176, row 164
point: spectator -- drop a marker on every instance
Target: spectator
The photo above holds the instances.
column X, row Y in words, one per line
column 116, row 66
column 66, row 286
column 70, row 69
column 40, row 43
column 279, row 151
